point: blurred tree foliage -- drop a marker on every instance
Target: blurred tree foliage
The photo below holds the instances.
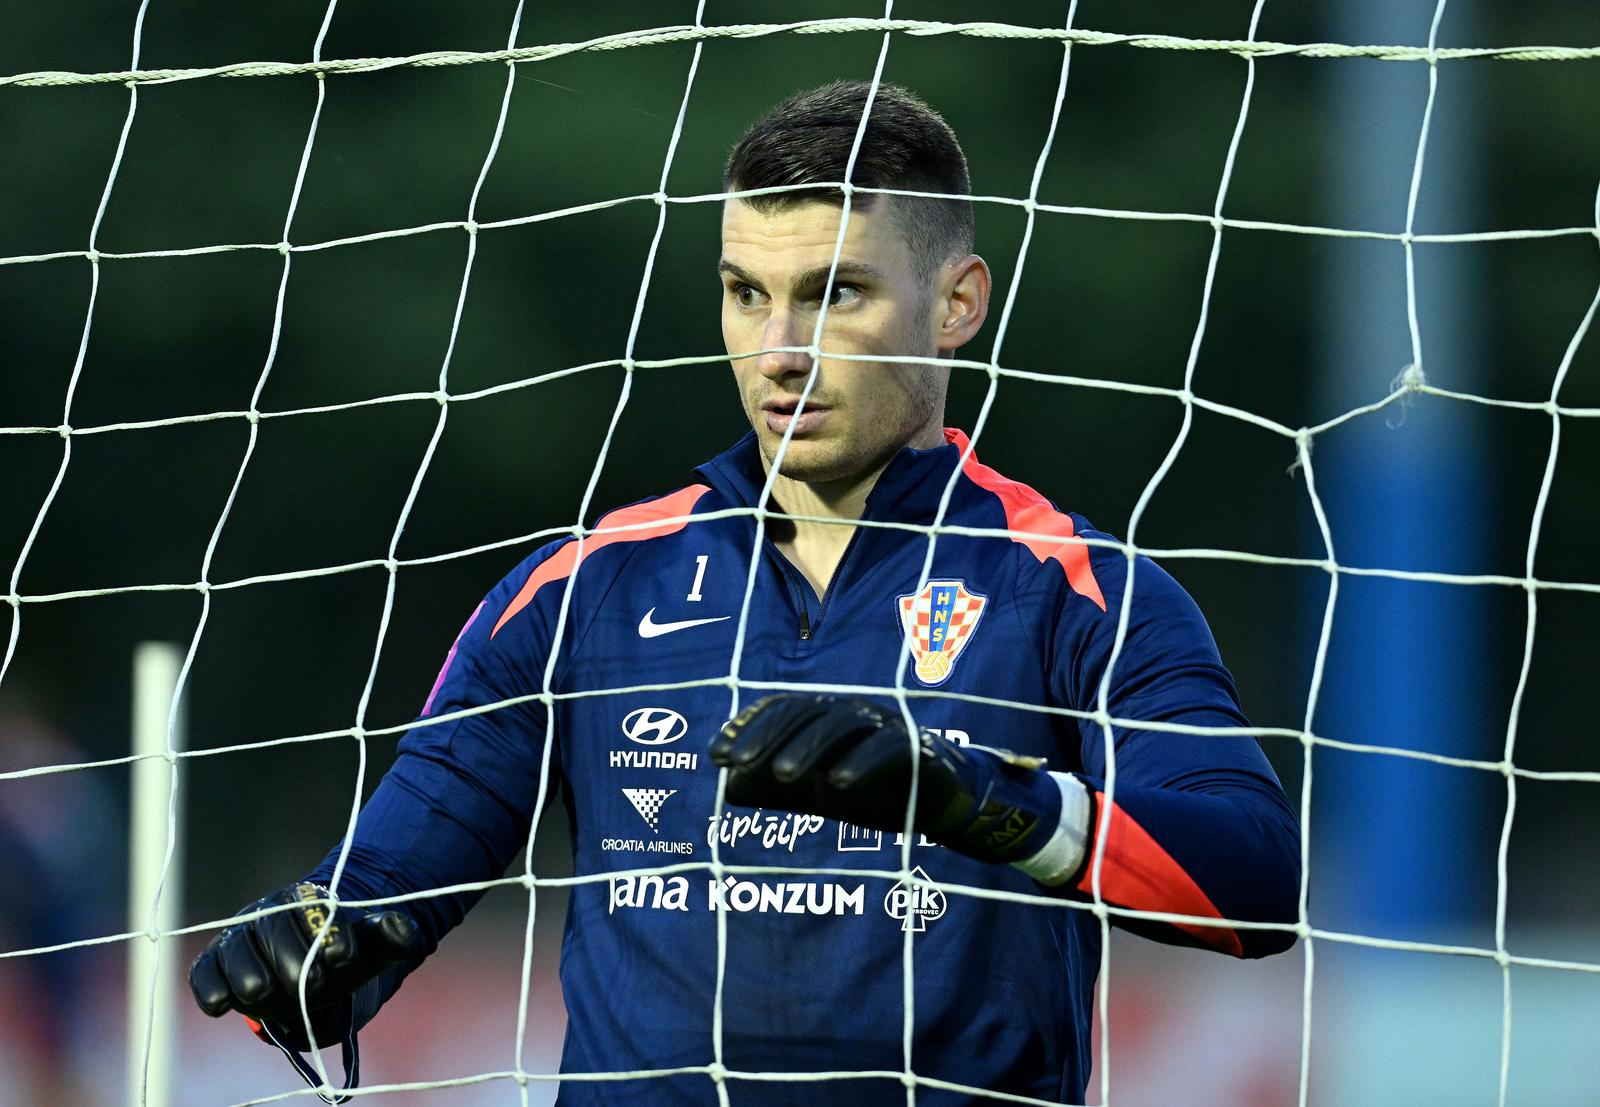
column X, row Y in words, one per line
column 214, row 161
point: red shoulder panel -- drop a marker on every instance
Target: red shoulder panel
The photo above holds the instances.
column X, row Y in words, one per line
column 565, row 561
column 1028, row 511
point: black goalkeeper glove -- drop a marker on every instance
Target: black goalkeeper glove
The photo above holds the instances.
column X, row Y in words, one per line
column 254, row 968
column 847, row 758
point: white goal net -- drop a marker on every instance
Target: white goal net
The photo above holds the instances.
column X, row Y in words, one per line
column 1182, row 349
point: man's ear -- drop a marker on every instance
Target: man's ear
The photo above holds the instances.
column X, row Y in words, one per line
column 963, row 301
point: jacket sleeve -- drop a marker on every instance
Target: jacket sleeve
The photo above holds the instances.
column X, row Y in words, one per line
column 457, row 804
column 1198, row 823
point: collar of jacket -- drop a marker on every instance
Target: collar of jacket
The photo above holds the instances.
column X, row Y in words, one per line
column 908, row 490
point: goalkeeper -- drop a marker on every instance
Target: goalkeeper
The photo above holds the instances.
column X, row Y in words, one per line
column 1008, row 799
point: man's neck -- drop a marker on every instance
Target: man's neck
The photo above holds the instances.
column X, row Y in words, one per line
column 837, row 499
column 816, row 548
column 846, row 497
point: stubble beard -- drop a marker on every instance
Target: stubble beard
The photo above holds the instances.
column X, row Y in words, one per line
column 863, row 448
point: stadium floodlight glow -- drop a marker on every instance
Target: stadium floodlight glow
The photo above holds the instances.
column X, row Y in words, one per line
column 150, row 1089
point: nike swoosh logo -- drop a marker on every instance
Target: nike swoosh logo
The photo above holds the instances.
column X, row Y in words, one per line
column 649, row 628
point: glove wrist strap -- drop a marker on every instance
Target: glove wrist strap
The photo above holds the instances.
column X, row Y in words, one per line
column 351, row 1054
column 1062, row 855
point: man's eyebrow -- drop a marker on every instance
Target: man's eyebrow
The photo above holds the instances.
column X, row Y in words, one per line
column 846, row 270
column 726, row 266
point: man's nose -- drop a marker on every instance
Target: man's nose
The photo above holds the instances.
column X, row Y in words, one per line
column 783, row 329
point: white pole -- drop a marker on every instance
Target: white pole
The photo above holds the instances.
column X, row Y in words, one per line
column 155, row 676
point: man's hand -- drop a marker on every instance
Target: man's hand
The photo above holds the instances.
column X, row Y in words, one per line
column 847, row 758
column 254, row 967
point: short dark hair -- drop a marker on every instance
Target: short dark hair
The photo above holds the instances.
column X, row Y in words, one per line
column 807, row 140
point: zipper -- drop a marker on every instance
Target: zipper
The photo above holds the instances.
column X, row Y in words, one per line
column 796, row 586
column 800, row 586
column 838, row 574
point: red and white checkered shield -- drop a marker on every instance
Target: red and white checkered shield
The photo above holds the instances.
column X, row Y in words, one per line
column 939, row 622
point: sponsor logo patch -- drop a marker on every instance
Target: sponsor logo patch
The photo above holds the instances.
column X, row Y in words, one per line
column 916, row 906
column 938, row 623
column 645, row 845
column 658, row 893
column 771, row 829
column 654, row 759
column 863, row 839
column 787, row 897
column 654, row 726
column 648, row 801
column 857, row 839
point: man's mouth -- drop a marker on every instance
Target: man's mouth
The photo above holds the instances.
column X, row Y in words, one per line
column 780, row 413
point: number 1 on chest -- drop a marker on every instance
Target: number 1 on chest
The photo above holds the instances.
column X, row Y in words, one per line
column 699, row 575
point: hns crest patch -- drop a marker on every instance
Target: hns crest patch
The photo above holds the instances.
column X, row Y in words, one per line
column 939, row 622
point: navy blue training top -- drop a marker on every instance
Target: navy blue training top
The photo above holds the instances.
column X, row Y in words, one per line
column 1200, row 825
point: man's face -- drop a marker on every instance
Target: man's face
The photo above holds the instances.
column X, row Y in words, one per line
column 774, row 274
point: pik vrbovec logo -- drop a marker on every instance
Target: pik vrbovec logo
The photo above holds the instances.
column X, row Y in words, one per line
column 914, row 904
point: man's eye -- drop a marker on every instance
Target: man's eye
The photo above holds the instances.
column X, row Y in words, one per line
column 842, row 295
column 745, row 296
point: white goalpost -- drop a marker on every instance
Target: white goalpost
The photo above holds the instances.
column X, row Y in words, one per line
column 160, row 749
column 154, row 881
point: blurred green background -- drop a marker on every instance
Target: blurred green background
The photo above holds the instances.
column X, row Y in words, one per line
column 213, row 161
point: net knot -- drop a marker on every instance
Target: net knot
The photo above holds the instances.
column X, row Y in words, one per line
column 93, row 255
column 717, row 1071
column 470, row 226
column 64, row 430
column 284, row 247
